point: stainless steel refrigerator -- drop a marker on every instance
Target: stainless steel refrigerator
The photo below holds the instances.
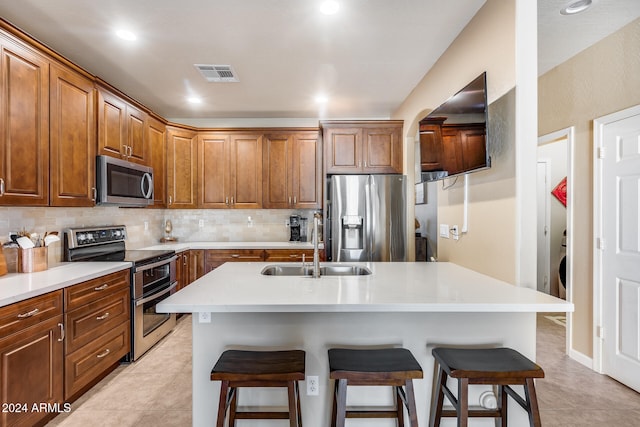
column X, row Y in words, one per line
column 366, row 218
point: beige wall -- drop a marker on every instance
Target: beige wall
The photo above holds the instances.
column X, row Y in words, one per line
column 598, row 81
column 486, row 44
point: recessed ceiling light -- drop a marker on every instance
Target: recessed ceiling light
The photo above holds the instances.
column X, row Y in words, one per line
column 194, row 100
column 126, row 35
column 329, row 7
column 322, row 99
column 576, row 7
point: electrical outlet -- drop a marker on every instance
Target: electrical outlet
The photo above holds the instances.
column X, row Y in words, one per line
column 313, row 385
column 201, row 223
column 146, row 225
column 204, row 317
column 455, row 232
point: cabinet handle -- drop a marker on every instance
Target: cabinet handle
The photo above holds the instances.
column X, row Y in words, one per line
column 103, row 354
column 104, row 316
column 1, row 187
column 184, row 260
column 101, row 288
column 28, row 314
column 232, row 202
column 295, row 200
column 293, row 256
column 289, row 199
column 62, row 335
column 365, row 163
column 94, row 193
column 130, row 151
column 235, row 256
column 226, row 201
column 170, row 201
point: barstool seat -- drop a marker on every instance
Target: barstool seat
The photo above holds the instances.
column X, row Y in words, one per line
column 502, row 367
column 394, row 367
column 241, row 368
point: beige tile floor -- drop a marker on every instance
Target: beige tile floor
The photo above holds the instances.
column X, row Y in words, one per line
column 156, row 391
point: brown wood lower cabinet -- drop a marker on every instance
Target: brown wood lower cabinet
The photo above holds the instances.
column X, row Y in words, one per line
column 31, row 360
column 214, row 258
column 290, row 255
column 98, row 326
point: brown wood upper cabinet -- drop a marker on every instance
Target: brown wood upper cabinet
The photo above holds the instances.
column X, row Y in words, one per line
column 156, row 136
column 230, row 170
column 121, row 128
column 182, row 157
column 362, row 146
column 292, row 170
column 73, row 138
column 24, row 125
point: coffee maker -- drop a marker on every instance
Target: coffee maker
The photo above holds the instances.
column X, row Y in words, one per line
column 294, row 228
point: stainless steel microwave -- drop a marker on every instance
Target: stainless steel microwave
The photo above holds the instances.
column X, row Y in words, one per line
column 123, row 183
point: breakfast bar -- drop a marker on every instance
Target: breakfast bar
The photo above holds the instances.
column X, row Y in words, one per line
column 413, row 305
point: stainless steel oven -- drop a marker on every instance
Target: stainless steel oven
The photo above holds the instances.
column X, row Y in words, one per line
column 152, row 283
column 153, row 278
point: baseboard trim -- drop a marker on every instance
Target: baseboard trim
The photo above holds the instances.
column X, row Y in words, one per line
column 581, row 358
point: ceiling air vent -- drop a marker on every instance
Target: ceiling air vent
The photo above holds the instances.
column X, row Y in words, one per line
column 217, row 73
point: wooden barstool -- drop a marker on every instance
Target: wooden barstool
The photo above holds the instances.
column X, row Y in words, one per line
column 239, row 368
column 394, row 367
column 496, row 366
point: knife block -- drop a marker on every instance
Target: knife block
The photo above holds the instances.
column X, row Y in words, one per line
column 33, row 260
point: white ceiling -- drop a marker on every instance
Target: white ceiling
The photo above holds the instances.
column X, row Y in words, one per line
column 366, row 59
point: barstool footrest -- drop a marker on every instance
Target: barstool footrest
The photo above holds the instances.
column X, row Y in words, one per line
column 263, row 415
column 371, row 413
column 473, row 413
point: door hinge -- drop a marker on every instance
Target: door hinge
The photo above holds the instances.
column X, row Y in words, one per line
column 600, row 243
column 602, row 152
column 600, row 332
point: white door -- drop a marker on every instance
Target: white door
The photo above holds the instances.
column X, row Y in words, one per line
column 543, row 237
column 620, row 244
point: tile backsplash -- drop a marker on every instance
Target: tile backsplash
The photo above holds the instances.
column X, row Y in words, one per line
column 145, row 227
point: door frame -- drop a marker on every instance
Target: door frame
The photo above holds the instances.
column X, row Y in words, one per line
column 547, row 222
column 569, row 135
column 598, row 144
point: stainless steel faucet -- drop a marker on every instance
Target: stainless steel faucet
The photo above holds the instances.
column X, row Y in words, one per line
column 316, row 255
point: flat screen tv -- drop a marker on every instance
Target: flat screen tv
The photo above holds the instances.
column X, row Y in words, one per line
column 453, row 137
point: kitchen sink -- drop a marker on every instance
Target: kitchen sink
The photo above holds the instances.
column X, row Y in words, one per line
column 325, row 270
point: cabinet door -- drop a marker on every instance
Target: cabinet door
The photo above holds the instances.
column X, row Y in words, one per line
column 245, row 160
column 73, row 138
column 181, row 168
column 474, row 153
column 382, row 150
column 451, row 151
column 342, row 150
column 24, row 126
column 277, row 171
column 31, row 371
column 196, row 269
column 214, row 258
column 430, row 147
column 213, row 171
column 136, row 141
column 112, row 125
column 156, row 139
column 306, row 170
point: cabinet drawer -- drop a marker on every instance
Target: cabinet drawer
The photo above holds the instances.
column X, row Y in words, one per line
column 92, row 320
column 216, row 257
column 285, row 255
column 86, row 364
column 29, row 312
column 92, row 290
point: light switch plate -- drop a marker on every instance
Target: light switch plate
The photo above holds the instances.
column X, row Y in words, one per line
column 444, row 230
column 204, row 317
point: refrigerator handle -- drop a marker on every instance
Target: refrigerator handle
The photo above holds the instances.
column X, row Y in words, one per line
column 372, row 217
column 336, row 226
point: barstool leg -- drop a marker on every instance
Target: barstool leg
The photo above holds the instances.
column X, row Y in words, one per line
column 334, row 409
column 399, row 405
column 222, row 403
column 298, row 403
column 341, row 397
column 503, row 405
column 438, row 400
column 532, row 403
column 411, row 403
column 293, row 416
column 463, row 402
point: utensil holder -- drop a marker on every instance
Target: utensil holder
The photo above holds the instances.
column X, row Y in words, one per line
column 33, row 259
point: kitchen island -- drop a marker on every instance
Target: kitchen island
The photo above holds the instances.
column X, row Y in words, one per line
column 413, row 305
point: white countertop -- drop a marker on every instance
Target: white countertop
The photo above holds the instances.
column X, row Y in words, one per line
column 16, row 287
column 393, row 287
column 182, row 246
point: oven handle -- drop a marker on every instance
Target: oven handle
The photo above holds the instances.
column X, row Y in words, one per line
column 155, row 264
column 150, row 297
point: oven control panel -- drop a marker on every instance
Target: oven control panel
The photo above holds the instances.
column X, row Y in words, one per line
column 79, row 237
